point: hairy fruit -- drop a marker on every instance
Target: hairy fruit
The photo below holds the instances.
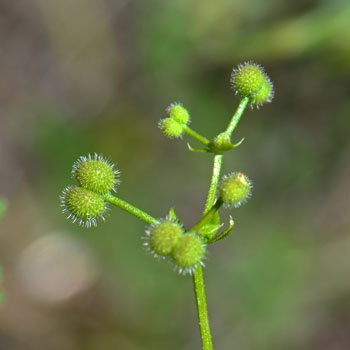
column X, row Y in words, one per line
column 235, row 189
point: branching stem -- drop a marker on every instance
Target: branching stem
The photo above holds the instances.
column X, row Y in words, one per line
column 214, row 182
column 237, row 116
column 210, row 206
column 130, row 209
column 196, row 136
column 207, row 216
column 198, row 280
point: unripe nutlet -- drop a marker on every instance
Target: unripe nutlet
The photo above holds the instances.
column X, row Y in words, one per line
column 188, row 253
column 248, row 79
column 178, row 113
column 82, row 205
column 95, row 173
column 163, row 237
column 235, row 189
column 265, row 94
column 171, row 128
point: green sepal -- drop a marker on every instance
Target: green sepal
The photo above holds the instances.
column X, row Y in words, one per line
column 224, row 233
column 200, row 150
column 238, row 143
column 172, row 215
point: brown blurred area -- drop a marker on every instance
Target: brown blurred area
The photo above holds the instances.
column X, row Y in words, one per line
column 85, row 76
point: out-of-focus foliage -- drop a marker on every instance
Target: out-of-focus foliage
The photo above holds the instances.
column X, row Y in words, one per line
column 80, row 76
column 3, row 207
column 2, row 295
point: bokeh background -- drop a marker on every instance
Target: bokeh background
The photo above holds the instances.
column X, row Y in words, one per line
column 80, row 76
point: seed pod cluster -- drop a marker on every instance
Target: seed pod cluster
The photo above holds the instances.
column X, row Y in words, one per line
column 173, row 125
column 167, row 239
column 96, row 177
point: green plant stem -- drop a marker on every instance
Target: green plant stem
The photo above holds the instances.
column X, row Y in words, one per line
column 214, row 182
column 198, row 280
column 130, row 209
column 199, row 290
column 196, row 136
column 237, row 116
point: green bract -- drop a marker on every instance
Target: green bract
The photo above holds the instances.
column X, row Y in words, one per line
column 95, row 173
column 235, row 189
column 162, row 237
column 188, row 253
column 82, row 205
column 178, row 113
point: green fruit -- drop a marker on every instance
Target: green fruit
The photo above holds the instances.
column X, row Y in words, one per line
column 95, row 174
column 235, row 189
column 82, row 205
column 163, row 237
column 171, row 128
column 188, row 253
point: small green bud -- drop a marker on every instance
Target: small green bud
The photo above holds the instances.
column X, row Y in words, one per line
column 178, row 113
column 95, row 173
column 223, row 142
column 235, row 189
column 171, row 128
column 188, row 253
column 162, row 238
column 250, row 79
column 82, row 205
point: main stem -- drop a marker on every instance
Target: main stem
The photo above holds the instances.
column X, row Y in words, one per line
column 198, row 280
column 201, row 302
column 214, row 182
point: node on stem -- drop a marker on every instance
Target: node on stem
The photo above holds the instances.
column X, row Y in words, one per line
column 223, row 142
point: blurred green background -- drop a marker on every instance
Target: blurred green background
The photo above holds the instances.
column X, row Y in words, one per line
column 80, row 76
